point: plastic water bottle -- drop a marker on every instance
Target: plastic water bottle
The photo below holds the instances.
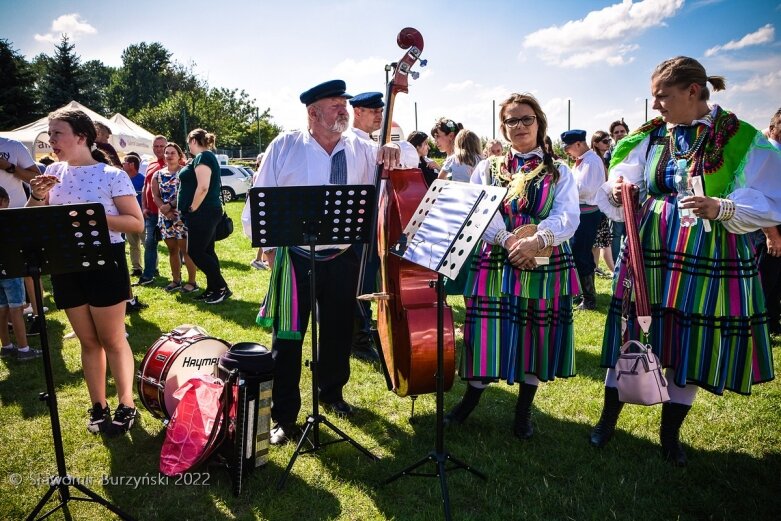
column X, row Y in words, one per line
column 685, row 215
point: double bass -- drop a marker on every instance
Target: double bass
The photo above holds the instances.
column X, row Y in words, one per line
column 407, row 298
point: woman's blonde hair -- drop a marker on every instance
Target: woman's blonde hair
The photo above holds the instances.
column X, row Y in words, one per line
column 466, row 147
column 682, row 71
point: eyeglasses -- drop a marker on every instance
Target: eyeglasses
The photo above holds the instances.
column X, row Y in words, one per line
column 527, row 121
column 606, row 141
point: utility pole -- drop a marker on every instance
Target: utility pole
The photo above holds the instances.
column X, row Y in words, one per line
column 257, row 119
column 569, row 114
column 493, row 120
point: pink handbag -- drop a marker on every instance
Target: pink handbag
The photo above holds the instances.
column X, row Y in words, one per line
column 639, row 375
column 638, row 370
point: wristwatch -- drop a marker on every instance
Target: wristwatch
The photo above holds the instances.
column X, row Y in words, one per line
column 11, row 169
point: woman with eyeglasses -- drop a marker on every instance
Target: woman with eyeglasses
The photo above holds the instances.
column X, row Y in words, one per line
column 518, row 324
column 709, row 320
column 600, row 144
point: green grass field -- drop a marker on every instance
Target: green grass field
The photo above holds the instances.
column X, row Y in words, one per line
column 733, row 442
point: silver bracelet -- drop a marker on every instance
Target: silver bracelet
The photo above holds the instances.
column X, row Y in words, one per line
column 547, row 238
column 501, row 236
column 612, row 200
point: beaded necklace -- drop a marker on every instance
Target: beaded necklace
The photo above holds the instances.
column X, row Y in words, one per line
column 702, row 134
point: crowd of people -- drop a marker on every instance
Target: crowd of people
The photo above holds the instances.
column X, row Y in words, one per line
column 714, row 295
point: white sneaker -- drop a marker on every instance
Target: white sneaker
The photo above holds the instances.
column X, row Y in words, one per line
column 259, row 265
column 29, row 310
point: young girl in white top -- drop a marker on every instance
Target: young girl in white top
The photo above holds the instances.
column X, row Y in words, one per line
column 94, row 301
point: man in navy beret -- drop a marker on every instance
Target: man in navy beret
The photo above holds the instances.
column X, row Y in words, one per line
column 367, row 118
column 589, row 173
column 367, row 113
column 322, row 154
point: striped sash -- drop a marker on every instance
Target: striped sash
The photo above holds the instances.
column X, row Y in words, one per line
column 636, row 268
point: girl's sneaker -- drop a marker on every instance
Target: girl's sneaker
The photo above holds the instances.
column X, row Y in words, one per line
column 124, row 418
column 99, row 418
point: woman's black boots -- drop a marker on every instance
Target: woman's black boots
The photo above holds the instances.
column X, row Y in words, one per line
column 606, row 426
column 464, row 408
column 673, row 415
column 522, row 425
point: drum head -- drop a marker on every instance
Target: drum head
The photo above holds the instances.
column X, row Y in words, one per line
column 200, row 357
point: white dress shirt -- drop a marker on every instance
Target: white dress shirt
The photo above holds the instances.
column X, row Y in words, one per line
column 297, row 159
column 589, row 173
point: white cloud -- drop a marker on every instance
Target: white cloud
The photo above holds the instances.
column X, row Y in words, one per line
column 71, row 24
column 770, row 82
column 364, row 68
column 764, row 34
column 601, row 36
column 459, row 87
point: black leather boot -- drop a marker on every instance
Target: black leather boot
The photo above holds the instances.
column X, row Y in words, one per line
column 606, row 426
column 589, row 292
column 522, row 425
column 673, row 415
column 464, row 408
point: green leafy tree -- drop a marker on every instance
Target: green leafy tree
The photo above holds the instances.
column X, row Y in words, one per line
column 17, row 91
column 144, row 79
column 63, row 79
column 98, row 78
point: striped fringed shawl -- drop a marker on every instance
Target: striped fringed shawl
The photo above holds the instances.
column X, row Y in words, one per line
column 279, row 309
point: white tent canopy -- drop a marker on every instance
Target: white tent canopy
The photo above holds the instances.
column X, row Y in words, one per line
column 126, row 136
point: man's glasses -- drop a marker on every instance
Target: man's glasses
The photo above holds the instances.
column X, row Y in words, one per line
column 527, row 121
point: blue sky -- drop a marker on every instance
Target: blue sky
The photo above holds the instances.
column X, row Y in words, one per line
column 597, row 54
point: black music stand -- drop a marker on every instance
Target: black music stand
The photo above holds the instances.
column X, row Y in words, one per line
column 55, row 240
column 312, row 216
column 440, row 236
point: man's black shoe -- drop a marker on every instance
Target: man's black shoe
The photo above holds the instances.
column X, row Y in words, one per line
column 136, row 272
column 203, row 295
column 282, row 433
column 33, row 328
column 144, row 281
column 339, row 407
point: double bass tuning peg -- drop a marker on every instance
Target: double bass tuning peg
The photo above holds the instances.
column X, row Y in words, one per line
column 423, row 63
column 414, row 75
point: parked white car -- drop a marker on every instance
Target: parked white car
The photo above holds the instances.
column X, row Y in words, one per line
column 235, row 182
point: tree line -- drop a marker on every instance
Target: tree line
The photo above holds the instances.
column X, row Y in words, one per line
column 150, row 87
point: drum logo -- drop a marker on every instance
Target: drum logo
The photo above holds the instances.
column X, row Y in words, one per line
column 199, row 362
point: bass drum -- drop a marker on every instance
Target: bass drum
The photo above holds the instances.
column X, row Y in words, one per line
column 171, row 361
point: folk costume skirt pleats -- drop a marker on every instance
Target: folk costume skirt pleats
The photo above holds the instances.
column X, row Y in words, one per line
column 709, row 320
column 518, row 322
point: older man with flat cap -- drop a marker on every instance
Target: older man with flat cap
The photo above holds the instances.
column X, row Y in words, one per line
column 589, row 173
column 321, row 155
column 367, row 113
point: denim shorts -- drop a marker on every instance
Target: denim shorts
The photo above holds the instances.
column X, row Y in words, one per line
column 11, row 293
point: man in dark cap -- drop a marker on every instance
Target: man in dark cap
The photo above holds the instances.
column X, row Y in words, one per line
column 367, row 113
column 320, row 155
column 589, row 172
column 367, row 118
